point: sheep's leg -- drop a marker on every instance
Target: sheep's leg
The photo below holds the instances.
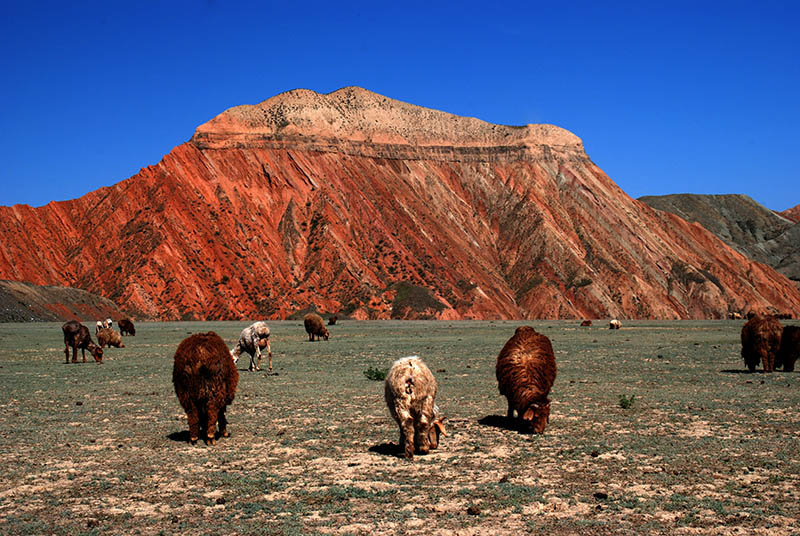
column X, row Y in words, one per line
column 269, row 354
column 66, row 353
column 258, row 357
column 406, row 423
column 510, row 413
column 768, row 360
column 211, row 427
column 83, row 353
column 223, row 424
column 422, row 427
column 194, row 424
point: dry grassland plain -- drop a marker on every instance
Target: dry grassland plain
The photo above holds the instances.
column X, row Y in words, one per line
column 655, row 429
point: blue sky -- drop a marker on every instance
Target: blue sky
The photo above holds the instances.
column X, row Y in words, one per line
column 668, row 97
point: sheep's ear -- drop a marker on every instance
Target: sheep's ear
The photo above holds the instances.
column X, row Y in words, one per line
column 439, row 424
column 528, row 415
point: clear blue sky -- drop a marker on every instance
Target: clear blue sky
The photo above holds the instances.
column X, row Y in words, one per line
column 672, row 97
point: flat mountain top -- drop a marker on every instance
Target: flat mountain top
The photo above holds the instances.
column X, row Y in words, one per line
column 355, row 114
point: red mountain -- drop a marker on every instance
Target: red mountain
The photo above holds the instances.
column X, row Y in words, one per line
column 792, row 214
column 354, row 203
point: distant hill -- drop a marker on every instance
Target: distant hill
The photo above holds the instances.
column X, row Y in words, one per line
column 792, row 214
column 357, row 204
column 758, row 232
column 25, row 302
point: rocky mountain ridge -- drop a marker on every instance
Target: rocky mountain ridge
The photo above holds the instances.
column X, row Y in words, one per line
column 354, row 203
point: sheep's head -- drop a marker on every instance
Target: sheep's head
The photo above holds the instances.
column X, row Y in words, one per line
column 97, row 353
column 262, row 343
column 234, row 356
column 436, row 430
column 537, row 416
column 325, row 333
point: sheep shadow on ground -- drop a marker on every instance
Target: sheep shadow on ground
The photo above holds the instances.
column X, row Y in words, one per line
column 183, row 436
column 388, row 449
column 505, row 423
column 740, row 371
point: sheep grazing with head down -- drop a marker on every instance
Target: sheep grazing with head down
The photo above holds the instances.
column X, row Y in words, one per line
column 761, row 340
column 315, row 327
column 76, row 335
column 526, row 370
column 126, row 327
column 109, row 337
column 586, row 324
column 410, row 392
column 252, row 340
column 205, row 380
column 790, row 348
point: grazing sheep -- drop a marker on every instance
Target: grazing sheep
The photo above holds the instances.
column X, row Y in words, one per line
column 126, row 327
column 586, row 323
column 790, row 348
column 108, row 336
column 205, row 380
column 526, row 370
column 315, row 327
column 252, row 340
column 332, row 320
column 76, row 335
column 614, row 324
column 410, row 392
column 761, row 340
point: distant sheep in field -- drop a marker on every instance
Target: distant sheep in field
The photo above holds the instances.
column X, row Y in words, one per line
column 315, row 327
column 761, row 340
column 614, row 324
column 790, row 348
column 126, row 327
column 98, row 326
column 109, row 337
column 205, row 380
column 252, row 340
column 410, row 392
column 332, row 320
column 526, row 370
column 76, row 335
column 586, row 323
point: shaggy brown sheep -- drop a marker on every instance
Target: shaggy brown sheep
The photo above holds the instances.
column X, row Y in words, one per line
column 332, row 320
column 526, row 370
column 205, row 380
column 76, row 335
column 108, row 336
column 126, row 327
column 790, row 348
column 410, row 393
column 761, row 340
column 586, row 323
column 252, row 340
column 315, row 327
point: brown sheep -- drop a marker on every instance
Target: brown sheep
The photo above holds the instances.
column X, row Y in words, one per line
column 126, row 327
column 205, row 380
column 586, row 323
column 332, row 320
column 526, row 370
column 315, row 327
column 761, row 340
column 790, row 348
column 410, row 393
column 108, row 336
column 76, row 335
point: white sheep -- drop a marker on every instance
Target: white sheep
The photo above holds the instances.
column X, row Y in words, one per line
column 410, row 392
column 252, row 340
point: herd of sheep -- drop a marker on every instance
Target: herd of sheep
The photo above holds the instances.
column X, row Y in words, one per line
column 205, row 375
